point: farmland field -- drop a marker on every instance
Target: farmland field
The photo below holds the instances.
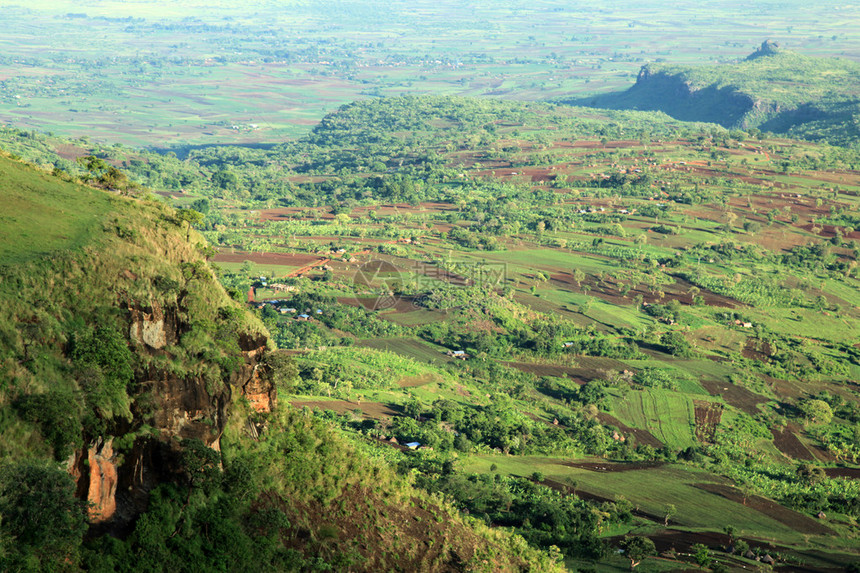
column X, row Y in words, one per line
column 666, row 415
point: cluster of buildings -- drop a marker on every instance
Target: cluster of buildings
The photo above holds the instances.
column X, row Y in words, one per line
column 279, row 305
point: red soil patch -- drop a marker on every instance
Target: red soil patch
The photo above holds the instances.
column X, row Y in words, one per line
column 288, row 212
column 578, row 144
column 791, row 518
column 829, row 231
column 286, row 259
column 70, row 152
column 708, row 416
column 368, row 409
column 538, row 174
column 804, row 207
column 641, row 436
column 737, row 396
column 309, row 267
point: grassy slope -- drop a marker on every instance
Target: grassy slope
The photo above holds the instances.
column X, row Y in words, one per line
column 42, row 214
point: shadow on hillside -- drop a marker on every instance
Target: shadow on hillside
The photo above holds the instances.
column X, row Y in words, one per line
column 723, row 106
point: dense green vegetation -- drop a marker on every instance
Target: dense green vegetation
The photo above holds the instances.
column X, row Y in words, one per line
column 621, row 286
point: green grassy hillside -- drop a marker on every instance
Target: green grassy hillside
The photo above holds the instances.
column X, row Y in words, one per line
column 43, row 214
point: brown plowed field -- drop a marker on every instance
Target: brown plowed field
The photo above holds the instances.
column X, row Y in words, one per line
column 539, row 174
column 683, row 541
column 755, row 350
column 830, row 231
column 852, row 473
column 70, row 151
column 791, row 518
column 288, row 212
column 737, row 396
column 789, row 444
column 609, row 290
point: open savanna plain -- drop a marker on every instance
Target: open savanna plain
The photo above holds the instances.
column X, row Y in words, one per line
column 580, row 324
column 162, row 74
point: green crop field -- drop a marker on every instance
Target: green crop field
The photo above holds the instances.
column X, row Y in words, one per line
column 668, row 415
column 652, row 490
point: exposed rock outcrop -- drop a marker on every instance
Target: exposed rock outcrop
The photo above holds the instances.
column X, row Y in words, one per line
column 767, row 48
column 95, row 472
column 193, row 404
column 673, row 94
column 252, row 377
column 153, row 326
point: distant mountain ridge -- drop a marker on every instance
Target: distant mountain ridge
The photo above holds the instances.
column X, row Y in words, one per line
column 772, row 90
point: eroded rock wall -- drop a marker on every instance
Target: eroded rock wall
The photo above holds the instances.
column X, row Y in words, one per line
column 173, row 406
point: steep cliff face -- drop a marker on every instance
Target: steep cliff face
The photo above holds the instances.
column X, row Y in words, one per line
column 173, row 407
column 152, row 327
column 772, row 89
column 675, row 95
column 252, row 377
column 96, row 476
